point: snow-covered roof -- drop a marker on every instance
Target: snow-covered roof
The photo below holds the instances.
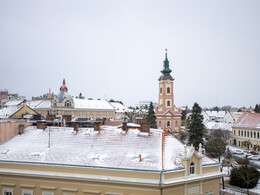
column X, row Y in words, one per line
column 78, row 104
column 248, row 120
column 221, row 126
column 34, row 103
column 119, row 107
column 13, row 102
column 9, row 111
column 236, row 115
column 110, row 147
column 92, row 104
column 220, row 114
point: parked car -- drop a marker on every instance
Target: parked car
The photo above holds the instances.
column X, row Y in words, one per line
column 239, row 152
column 252, row 152
column 254, row 157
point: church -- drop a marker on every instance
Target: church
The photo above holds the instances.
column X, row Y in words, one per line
column 167, row 114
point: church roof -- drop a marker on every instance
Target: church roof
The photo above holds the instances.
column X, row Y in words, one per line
column 63, row 95
column 166, row 69
column 110, row 147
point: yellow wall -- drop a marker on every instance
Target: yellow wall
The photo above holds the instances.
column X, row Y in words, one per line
column 24, row 110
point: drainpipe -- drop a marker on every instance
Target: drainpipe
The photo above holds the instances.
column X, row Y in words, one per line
column 160, row 183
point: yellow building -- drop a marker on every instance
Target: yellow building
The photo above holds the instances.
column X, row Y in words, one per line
column 246, row 131
column 20, row 111
column 109, row 161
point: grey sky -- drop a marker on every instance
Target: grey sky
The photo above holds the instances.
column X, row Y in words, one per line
column 116, row 48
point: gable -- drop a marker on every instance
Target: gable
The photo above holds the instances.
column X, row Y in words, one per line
column 24, row 110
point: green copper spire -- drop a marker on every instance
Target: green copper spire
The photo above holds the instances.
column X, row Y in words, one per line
column 166, row 70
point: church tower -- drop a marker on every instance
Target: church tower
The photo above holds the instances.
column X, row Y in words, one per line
column 168, row 115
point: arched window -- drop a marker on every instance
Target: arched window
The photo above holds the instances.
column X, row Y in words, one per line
column 168, row 103
column 168, row 123
column 67, row 104
column 192, row 168
column 168, row 90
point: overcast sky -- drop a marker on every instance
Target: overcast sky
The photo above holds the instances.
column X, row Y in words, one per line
column 115, row 49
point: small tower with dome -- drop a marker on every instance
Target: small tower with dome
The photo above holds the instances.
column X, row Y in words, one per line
column 63, row 99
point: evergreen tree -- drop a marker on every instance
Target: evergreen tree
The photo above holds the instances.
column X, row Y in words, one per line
column 196, row 127
column 151, row 118
column 256, row 108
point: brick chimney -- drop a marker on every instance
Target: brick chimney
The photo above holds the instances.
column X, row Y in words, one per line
column 96, row 126
column 21, row 128
column 104, row 121
column 76, row 126
column 145, row 127
column 124, row 126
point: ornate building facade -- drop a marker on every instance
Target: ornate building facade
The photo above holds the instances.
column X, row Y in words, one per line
column 68, row 108
column 168, row 115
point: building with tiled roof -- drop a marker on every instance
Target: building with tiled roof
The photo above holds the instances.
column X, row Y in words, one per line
column 106, row 161
column 247, row 128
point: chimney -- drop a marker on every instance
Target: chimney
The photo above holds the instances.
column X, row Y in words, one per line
column 21, row 128
column 140, row 157
column 76, row 126
column 96, row 126
column 104, row 121
column 145, row 127
column 124, row 126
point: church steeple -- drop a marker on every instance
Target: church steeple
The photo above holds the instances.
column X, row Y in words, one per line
column 166, row 70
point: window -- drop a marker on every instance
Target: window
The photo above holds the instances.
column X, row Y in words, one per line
column 248, row 134
column 168, row 123
column 254, row 135
column 168, row 103
column 234, row 132
column 67, row 104
column 7, row 191
column 160, row 90
column 27, row 192
column 258, row 135
column 47, row 193
column 192, row 168
column 168, row 90
column 239, row 132
column 251, row 134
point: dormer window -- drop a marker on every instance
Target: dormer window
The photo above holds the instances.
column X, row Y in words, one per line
column 192, row 168
column 67, row 104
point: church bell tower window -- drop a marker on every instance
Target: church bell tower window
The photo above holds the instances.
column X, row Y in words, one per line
column 168, row 90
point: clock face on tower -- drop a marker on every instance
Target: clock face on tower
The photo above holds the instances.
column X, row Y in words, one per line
column 168, row 81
